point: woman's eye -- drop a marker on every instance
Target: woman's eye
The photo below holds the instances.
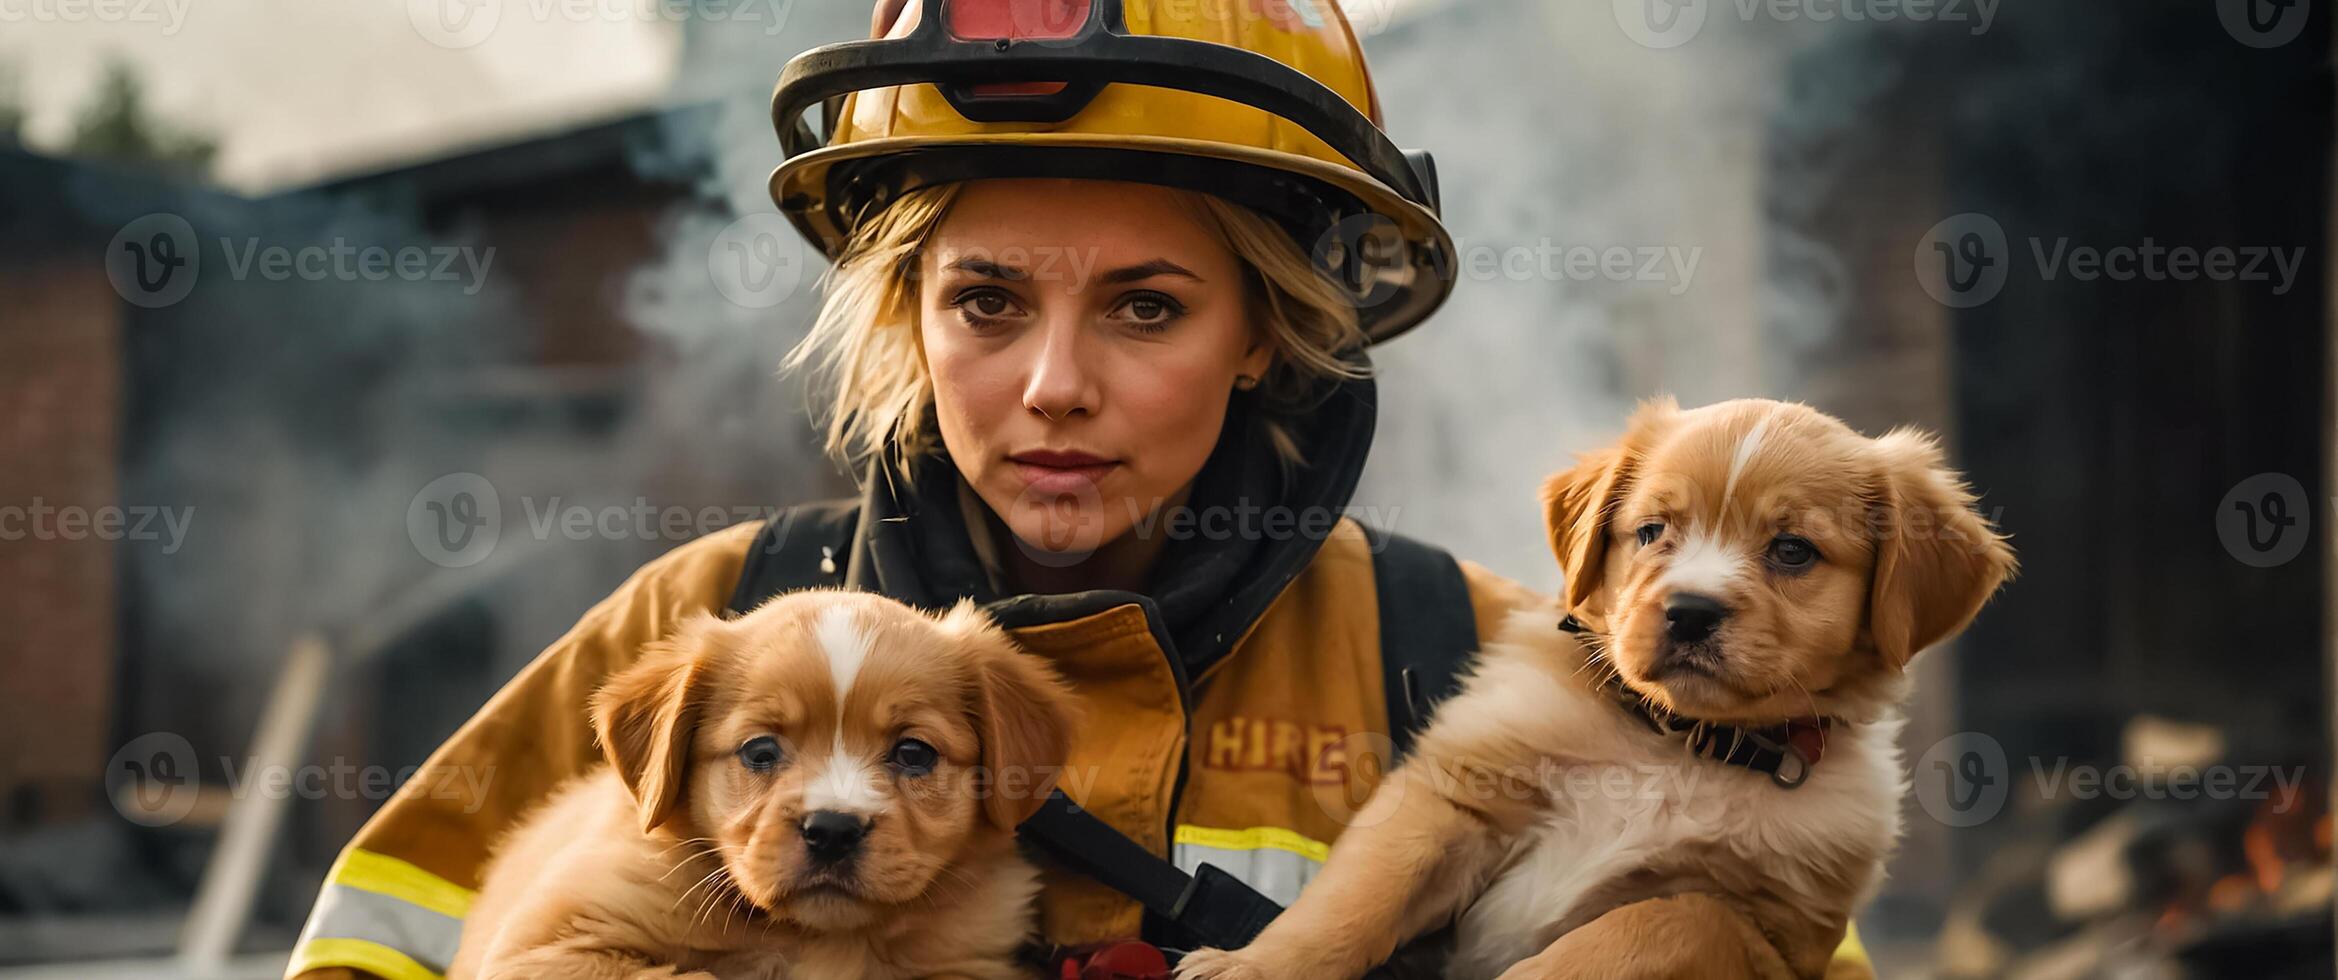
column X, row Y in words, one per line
column 1150, row 310
column 1649, row 532
column 1792, row 552
column 985, row 304
column 760, row 754
column 914, row 757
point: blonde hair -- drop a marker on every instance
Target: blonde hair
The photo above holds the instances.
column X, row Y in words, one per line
column 870, row 385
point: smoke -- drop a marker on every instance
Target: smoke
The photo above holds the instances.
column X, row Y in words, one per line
column 1557, row 134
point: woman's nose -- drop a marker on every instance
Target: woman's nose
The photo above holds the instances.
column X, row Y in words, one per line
column 1061, row 382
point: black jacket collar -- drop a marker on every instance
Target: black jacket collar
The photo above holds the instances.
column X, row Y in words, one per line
column 1207, row 589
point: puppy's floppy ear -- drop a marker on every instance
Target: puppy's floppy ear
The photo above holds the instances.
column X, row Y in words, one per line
column 1937, row 560
column 1023, row 711
column 646, row 714
column 1577, row 504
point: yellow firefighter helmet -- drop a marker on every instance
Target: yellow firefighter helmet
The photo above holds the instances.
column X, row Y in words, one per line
column 1266, row 103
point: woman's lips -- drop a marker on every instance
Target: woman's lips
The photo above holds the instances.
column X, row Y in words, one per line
column 1060, row 472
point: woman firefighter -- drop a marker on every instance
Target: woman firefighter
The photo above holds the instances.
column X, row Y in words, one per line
column 1104, row 274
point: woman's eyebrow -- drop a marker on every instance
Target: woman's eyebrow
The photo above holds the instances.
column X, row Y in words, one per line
column 1147, row 270
column 987, row 269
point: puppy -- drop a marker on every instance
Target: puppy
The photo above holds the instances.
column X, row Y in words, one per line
column 826, row 787
column 1689, row 770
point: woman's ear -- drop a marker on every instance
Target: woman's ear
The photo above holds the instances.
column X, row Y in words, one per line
column 1257, row 361
column 1024, row 713
column 1937, row 560
column 1579, row 503
column 646, row 715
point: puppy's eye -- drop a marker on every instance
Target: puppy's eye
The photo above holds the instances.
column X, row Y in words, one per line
column 914, row 757
column 1792, row 552
column 1649, row 532
column 760, row 754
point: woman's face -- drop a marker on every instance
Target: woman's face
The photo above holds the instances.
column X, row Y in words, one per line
column 1082, row 338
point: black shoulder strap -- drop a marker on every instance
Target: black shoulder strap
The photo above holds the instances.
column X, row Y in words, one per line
column 1207, row 908
column 801, row 547
column 1428, row 629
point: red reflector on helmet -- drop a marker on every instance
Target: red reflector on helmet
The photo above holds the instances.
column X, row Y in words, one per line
column 1018, row 20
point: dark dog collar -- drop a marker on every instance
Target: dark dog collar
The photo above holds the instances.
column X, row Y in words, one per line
column 1786, row 753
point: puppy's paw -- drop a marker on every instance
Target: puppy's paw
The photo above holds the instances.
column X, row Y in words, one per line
column 1219, row 964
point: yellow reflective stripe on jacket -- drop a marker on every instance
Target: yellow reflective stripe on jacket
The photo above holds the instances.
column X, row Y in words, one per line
column 384, row 916
column 1276, row 861
column 1254, row 838
column 382, row 874
column 356, row 954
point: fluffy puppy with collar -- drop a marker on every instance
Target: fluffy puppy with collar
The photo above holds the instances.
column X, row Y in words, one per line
column 1687, row 768
column 826, row 787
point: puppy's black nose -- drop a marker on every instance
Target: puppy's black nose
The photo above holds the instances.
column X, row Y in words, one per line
column 833, row 835
column 1689, row 617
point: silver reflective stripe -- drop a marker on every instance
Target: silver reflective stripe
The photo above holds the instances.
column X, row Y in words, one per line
column 1277, row 874
column 343, row 912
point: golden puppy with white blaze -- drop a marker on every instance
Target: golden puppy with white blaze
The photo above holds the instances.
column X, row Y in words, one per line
column 826, row 787
column 1746, row 583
